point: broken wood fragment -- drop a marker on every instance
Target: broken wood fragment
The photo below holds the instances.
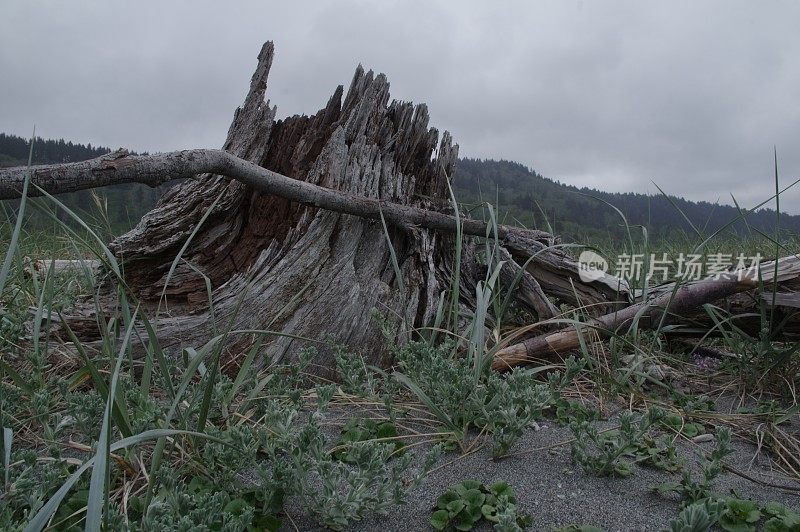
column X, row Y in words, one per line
column 664, row 307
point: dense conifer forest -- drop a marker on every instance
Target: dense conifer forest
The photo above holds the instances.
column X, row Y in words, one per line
column 584, row 214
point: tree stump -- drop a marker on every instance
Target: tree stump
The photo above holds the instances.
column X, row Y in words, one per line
column 296, row 263
column 303, row 271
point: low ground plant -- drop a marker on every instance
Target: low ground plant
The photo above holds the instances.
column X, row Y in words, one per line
column 603, row 453
column 466, row 504
column 697, row 517
column 358, row 430
column 692, row 489
column 735, row 515
column 659, row 453
column 461, row 399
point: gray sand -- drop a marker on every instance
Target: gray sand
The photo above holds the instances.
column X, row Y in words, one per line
column 557, row 493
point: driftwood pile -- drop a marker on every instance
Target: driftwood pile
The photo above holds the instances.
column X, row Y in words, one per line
column 286, row 223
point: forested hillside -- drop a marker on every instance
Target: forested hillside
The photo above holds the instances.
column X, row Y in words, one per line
column 583, row 214
column 14, row 150
column 524, row 196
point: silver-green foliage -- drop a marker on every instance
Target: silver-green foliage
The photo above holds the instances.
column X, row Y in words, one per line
column 468, row 503
column 354, row 375
column 248, row 477
column 691, row 489
column 503, row 405
column 335, row 492
column 697, row 517
column 603, row 453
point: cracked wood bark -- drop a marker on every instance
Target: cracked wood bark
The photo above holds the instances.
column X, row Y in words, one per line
column 666, row 305
column 302, row 270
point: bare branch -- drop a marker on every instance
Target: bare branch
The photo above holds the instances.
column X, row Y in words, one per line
column 153, row 170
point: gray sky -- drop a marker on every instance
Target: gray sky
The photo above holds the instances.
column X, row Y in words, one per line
column 610, row 95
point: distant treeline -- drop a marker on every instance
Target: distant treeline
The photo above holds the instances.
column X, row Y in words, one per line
column 15, row 149
column 126, row 204
column 584, row 214
column 524, row 196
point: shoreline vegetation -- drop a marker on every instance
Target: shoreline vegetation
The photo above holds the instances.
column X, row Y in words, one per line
column 119, row 432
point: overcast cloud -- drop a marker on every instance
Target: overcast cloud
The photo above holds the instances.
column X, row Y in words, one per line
column 611, row 95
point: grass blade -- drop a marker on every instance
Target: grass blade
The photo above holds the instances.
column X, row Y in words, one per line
column 8, row 438
column 12, row 246
column 183, row 249
column 98, row 487
column 42, row 517
column 422, row 396
column 119, row 415
column 395, row 264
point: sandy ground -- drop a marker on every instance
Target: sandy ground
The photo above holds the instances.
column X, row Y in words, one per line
column 557, row 492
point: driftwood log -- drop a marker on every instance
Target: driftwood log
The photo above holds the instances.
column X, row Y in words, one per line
column 667, row 305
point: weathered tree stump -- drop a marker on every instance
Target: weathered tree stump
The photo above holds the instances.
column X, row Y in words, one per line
column 307, row 268
column 303, row 271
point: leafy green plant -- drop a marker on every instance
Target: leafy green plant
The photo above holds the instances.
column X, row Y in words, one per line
column 503, row 405
column 29, row 483
column 567, row 412
column 780, row 518
column 693, row 403
column 203, row 505
column 692, row 490
column 346, row 495
column 290, row 456
column 659, row 453
column 359, row 430
column 602, row 453
column 697, row 517
column 509, row 406
column 739, row 515
column 336, row 493
column 354, row 375
column 465, row 504
column 735, row 515
column 86, row 410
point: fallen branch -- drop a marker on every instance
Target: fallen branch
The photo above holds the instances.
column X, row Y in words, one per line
column 40, row 268
column 660, row 310
column 556, row 271
column 154, row 170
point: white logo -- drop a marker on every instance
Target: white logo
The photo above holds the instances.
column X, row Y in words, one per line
column 591, row 266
